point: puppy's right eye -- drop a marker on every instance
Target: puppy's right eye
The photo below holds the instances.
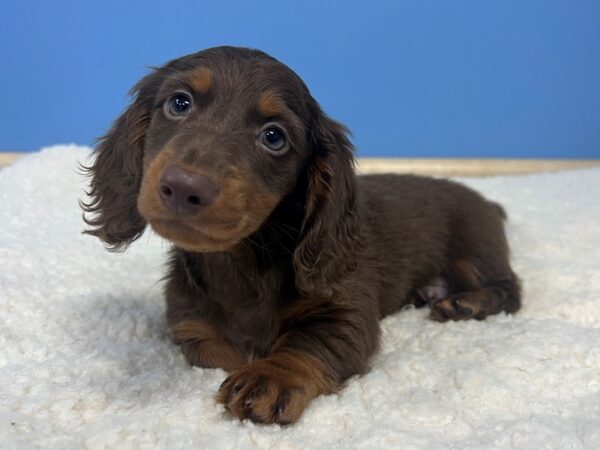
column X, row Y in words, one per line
column 178, row 105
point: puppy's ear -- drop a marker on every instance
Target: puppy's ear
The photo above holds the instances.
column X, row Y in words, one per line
column 116, row 172
column 330, row 230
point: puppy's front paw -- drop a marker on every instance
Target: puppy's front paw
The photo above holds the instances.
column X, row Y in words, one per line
column 272, row 390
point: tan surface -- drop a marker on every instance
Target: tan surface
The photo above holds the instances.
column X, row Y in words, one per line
column 7, row 158
column 470, row 167
column 440, row 167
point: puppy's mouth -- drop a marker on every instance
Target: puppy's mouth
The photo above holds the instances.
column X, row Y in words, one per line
column 194, row 237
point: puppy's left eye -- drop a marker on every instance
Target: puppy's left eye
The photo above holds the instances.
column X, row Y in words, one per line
column 274, row 139
column 178, row 105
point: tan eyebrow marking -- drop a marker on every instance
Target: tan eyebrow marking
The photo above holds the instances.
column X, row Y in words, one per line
column 201, row 80
column 269, row 104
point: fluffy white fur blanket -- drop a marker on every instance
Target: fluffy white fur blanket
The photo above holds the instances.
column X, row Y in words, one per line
column 85, row 359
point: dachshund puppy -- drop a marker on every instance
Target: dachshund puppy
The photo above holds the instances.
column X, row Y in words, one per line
column 283, row 260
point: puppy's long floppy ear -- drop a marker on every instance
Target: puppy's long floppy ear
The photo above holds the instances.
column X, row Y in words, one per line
column 330, row 236
column 116, row 172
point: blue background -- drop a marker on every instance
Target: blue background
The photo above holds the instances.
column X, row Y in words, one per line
column 505, row 78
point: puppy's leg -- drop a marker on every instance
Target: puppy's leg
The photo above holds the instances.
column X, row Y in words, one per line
column 320, row 346
column 203, row 345
column 476, row 295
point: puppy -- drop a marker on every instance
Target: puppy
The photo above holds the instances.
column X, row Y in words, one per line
column 283, row 260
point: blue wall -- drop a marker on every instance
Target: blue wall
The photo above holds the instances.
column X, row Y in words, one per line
column 412, row 78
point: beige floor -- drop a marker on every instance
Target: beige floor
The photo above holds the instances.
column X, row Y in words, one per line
column 440, row 167
column 470, row 167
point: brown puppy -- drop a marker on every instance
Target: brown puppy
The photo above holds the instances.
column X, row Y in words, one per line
column 283, row 260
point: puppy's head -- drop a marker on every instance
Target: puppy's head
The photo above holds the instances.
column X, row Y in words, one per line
column 210, row 145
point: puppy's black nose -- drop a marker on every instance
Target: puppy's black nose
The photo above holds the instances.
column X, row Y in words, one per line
column 186, row 192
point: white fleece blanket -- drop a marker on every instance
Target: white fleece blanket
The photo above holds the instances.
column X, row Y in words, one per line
column 85, row 359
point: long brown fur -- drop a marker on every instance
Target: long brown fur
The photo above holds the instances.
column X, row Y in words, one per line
column 283, row 279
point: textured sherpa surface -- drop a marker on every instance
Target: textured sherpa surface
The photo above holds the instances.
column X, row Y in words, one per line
column 85, row 358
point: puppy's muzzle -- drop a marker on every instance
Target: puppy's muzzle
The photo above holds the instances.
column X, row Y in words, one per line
column 185, row 192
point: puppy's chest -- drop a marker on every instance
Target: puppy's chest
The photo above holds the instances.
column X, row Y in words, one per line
column 248, row 314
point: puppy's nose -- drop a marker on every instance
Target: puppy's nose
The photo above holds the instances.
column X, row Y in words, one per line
column 186, row 192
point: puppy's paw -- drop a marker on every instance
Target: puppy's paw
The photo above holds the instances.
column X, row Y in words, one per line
column 462, row 306
column 260, row 393
column 272, row 390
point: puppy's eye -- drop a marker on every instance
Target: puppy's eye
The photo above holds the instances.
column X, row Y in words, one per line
column 273, row 138
column 178, row 105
